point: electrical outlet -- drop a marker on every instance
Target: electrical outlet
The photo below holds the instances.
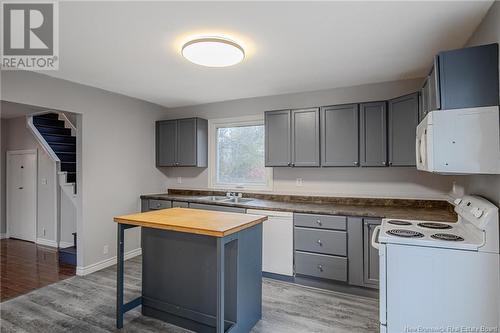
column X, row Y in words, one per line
column 105, row 249
column 298, row 182
column 179, row 180
column 44, row 181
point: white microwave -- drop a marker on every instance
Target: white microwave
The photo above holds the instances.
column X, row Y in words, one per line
column 459, row 141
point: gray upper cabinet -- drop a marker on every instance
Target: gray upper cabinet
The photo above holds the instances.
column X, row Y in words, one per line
column 340, row 135
column 373, row 134
column 277, row 137
column 305, row 137
column 424, row 97
column 434, row 87
column 182, row 142
column 166, row 143
column 402, row 123
column 292, row 137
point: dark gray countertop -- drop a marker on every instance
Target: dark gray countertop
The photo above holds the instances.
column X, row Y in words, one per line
column 381, row 211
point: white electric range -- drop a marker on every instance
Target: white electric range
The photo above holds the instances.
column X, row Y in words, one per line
column 441, row 277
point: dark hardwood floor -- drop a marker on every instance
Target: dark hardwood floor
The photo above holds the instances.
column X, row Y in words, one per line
column 25, row 266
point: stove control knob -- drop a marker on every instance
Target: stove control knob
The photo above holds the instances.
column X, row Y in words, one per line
column 457, row 201
column 477, row 212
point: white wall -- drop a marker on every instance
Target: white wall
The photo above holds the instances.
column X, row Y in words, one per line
column 18, row 137
column 487, row 32
column 117, row 149
column 355, row 182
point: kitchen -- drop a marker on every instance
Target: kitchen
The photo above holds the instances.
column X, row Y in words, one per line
column 359, row 189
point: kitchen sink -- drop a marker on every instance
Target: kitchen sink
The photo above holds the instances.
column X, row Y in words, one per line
column 214, row 198
column 238, row 200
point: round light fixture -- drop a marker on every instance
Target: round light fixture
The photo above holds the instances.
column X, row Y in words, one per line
column 213, row 52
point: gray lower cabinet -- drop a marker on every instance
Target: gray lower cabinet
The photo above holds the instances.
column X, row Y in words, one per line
column 402, row 124
column 321, row 266
column 217, row 208
column 305, row 137
column 159, row 204
column 180, row 204
column 340, row 135
column 321, row 241
column 373, row 134
column 363, row 258
column 292, row 138
column 278, row 138
column 182, row 142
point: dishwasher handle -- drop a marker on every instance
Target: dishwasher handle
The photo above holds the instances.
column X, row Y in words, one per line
column 375, row 234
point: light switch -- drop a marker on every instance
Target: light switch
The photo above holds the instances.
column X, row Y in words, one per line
column 298, row 182
column 44, row 181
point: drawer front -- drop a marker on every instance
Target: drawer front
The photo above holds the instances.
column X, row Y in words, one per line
column 159, row 204
column 320, row 221
column 218, row 208
column 321, row 265
column 321, row 241
column 180, row 204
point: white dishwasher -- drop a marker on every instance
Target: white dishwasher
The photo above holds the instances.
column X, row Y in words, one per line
column 277, row 242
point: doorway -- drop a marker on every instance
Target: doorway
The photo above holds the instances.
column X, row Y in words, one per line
column 21, row 197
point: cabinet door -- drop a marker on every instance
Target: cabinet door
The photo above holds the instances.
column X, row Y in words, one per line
column 370, row 257
column 424, row 96
column 434, row 93
column 340, row 135
column 166, row 143
column 305, row 137
column 277, row 134
column 402, row 119
column 373, row 134
column 186, row 142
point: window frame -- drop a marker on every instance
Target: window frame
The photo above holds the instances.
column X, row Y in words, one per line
column 213, row 125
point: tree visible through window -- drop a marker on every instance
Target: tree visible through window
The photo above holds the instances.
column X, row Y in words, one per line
column 240, row 155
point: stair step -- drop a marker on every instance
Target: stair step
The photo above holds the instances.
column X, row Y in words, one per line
column 58, row 138
column 48, row 115
column 65, row 156
column 53, row 130
column 63, row 147
column 68, row 166
column 48, row 122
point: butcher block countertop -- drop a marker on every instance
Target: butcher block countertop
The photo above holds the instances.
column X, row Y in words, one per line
column 194, row 221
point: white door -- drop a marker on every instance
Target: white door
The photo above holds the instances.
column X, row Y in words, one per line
column 21, row 194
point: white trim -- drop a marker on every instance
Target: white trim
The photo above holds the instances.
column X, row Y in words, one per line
column 235, row 122
column 4, row 236
column 8, row 154
column 46, row 242
column 106, row 263
column 63, row 244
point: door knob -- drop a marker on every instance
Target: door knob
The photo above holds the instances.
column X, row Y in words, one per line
column 21, row 188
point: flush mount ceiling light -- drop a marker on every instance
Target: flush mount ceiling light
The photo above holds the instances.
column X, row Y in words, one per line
column 213, row 52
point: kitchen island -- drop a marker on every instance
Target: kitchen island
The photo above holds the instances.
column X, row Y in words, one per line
column 201, row 270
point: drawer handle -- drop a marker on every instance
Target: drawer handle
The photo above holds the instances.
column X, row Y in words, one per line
column 320, row 268
column 319, row 242
column 158, row 205
column 318, row 221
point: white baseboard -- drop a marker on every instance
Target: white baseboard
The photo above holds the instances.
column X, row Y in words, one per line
column 3, row 236
column 106, row 263
column 62, row 244
column 46, row 242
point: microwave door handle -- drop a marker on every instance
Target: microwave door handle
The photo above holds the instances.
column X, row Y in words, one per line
column 375, row 234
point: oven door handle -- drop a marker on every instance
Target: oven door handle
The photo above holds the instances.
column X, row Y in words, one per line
column 375, row 234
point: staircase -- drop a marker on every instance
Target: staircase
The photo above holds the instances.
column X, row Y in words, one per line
column 60, row 140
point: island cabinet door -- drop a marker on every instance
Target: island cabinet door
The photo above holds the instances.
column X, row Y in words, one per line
column 186, row 142
column 305, row 137
column 373, row 134
column 166, row 143
column 340, row 135
column 403, row 121
column 278, row 138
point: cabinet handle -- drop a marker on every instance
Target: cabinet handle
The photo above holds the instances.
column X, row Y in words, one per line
column 158, row 205
column 289, row 164
column 390, row 162
column 319, row 242
column 319, row 222
column 384, row 163
column 293, row 164
column 320, row 268
column 356, row 163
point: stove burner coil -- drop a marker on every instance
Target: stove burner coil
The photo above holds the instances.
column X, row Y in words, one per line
column 399, row 222
column 447, row 237
column 434, row 225
column 405, row 233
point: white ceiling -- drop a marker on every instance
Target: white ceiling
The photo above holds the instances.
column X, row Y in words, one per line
column 133, row 47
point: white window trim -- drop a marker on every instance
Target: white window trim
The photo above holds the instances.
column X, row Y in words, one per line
column 213, row 125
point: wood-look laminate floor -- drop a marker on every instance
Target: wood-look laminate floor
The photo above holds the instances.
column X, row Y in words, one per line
column 87, row 304
column 25, row 266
